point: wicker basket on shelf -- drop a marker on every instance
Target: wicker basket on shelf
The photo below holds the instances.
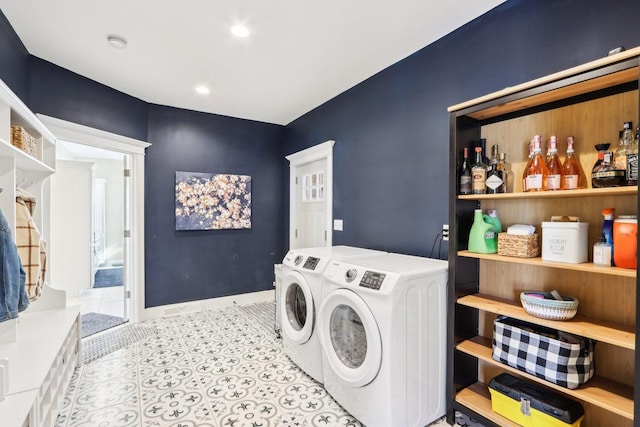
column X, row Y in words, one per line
column 23, row 140
column 543, row 305
column 518, row 246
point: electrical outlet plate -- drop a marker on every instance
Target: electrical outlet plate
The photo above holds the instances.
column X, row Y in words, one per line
column 445, row 232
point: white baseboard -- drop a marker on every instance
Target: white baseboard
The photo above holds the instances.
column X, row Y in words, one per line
column 208, row 304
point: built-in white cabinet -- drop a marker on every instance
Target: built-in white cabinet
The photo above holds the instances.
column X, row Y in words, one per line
column 40, row 349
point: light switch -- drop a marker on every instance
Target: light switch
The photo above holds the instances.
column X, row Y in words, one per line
column 337, row 224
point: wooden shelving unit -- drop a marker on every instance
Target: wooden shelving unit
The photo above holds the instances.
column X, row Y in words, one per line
column 590, row 103
column 537, row 261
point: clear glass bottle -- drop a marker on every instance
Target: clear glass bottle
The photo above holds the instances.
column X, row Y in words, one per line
column 572, row 175
column 528, row 164
column 632, row 160
column 553, row 173
column 602, row 252
column 620, row 156
column 479, row 174
column 495, row 176
column 507, row 173
column 537, row 169
column 465, row 174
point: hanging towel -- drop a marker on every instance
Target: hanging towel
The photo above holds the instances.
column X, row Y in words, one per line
column 31, row 246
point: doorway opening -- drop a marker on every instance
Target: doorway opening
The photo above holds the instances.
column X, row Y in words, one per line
column 88, row 207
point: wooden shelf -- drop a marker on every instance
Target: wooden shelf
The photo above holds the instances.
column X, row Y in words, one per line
column 23, row 160
column 607, row 394
column 588, row 192
column 585, row 266
column 602, row 62
column 612, row 333
column 477, row 398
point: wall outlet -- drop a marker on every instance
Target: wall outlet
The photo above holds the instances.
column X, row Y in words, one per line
column 445, row 231
column 337, row 224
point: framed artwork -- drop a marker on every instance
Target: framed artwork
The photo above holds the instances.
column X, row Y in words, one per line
column 209, row 201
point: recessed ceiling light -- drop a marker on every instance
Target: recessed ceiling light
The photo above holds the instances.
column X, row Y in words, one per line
column 117, row 41
column 240, row 30
column 202, row 90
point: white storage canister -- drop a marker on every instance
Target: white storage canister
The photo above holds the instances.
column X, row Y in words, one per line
column 565, row 242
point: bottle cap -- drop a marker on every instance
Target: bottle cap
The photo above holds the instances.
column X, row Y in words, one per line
column 608, row 213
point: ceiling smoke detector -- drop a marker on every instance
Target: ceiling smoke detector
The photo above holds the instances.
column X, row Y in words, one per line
column 117, row 41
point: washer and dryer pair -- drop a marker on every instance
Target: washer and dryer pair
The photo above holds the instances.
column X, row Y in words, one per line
column 300, row 299
column 381, row 333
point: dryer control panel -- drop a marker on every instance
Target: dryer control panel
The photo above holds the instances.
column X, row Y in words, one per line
column 372, row 280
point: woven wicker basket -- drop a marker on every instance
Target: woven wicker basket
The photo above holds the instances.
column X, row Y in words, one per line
column 542, row 304
column 21, row 139
column 518, row 246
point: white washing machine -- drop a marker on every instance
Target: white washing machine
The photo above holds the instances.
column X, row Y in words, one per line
column 382, row 328
column 300, row 298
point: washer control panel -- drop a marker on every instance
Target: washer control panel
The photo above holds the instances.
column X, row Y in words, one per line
column 372, row 280
column 311, row 263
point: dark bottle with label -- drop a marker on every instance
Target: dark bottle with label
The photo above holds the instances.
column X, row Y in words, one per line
column 483, row 144
column 495, row 175
column 479, row 174
column 465, row 174
column 606, row 174
column 632, row 159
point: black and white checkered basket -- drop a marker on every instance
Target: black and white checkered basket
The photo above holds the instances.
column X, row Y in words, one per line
column 558, row 357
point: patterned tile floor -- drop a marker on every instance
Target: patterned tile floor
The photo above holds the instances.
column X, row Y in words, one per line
column 209, row 369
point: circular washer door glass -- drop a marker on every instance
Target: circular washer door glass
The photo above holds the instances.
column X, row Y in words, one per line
column 348, row 336
column 296, row 305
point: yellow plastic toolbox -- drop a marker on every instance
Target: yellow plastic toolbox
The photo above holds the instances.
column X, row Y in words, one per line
column 531, row 405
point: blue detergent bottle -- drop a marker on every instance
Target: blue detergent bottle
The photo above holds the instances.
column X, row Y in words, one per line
column 607, row 228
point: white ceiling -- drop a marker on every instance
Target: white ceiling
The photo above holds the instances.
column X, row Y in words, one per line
column 299, row 54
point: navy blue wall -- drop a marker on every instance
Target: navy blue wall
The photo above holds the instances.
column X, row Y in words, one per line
column 192, row 265
column 14, row 60
column 392, row 131
column 59, row 93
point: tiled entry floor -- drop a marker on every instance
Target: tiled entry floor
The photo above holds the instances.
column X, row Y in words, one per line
column 215, row 368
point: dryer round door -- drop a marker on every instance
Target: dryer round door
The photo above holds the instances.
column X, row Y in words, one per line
column 350, row 337
column 296, row 304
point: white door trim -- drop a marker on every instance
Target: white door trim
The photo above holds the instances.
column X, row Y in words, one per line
column 73, row 132
column 317, row 152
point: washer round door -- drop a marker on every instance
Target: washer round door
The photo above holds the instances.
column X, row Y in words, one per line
column 297, row 313
column 350, row 337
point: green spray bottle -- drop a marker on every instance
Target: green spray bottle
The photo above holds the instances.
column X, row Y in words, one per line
column 482, row 238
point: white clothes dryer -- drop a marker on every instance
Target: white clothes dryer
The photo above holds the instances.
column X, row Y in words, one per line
column 300, row 298
column 382, row 328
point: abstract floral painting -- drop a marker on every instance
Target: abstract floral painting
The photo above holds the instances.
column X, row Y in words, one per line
column 207, row 201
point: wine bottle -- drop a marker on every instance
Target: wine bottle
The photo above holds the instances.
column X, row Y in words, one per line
column 537, row 169
column 528, row 165
column 465, row 174
column 553, row 171
column 479, row 174
column 572, row 175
